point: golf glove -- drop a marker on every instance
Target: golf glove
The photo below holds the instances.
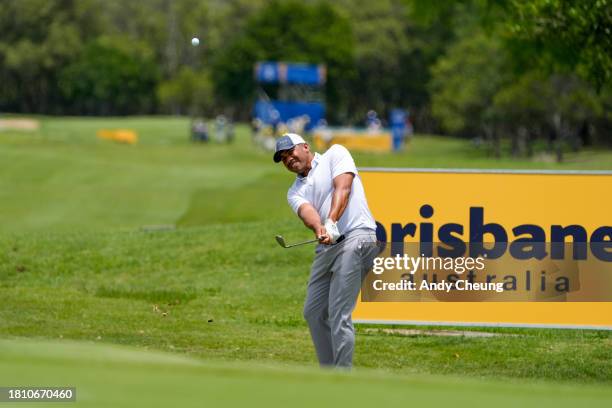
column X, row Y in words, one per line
column 332, row 230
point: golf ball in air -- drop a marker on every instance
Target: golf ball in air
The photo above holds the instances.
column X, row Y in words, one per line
column 195, row 41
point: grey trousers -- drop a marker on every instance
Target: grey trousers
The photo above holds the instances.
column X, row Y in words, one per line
column 335, row 280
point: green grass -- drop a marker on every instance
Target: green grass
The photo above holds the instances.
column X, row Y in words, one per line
column 230, row 293
column 75, row 264
column 106, row 376
column 63, row 178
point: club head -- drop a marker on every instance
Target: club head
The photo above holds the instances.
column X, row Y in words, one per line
column 281, row 241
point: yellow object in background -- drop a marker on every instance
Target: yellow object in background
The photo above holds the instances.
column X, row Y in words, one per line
column 353, row 140
column 119, row 135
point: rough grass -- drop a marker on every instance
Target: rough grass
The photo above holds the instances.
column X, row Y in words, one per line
column 228, row 292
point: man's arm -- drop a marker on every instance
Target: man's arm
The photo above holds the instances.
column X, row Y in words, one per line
column 311, row 219
column 340, row 197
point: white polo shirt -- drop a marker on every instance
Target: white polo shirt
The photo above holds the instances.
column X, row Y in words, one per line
column 318, row 186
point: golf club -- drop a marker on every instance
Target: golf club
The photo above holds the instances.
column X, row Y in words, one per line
column 281, row 241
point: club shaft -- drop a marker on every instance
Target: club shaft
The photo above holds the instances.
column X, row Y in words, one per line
column 302, row 243
column 340, row 239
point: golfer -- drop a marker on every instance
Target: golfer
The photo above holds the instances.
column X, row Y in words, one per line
column 328, row 196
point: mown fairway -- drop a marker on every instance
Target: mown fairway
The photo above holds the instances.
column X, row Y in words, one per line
column 63, row 178
column 76, row 264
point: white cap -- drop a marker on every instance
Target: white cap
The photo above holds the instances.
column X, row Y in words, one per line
column 286, row 142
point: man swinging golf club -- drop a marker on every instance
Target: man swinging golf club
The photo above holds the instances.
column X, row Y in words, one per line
column 328, row 196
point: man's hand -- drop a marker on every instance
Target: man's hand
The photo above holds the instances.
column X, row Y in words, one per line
column 311, row 219
column 327, row 233
column 322, row 235
column 332, row 230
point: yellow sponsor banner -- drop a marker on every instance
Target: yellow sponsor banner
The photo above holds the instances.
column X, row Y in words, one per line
column 548, row 201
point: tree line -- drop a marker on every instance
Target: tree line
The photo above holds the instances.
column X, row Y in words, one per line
column 527, row 74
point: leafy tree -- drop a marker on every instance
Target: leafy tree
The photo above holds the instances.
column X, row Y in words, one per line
column 573, row 105
column 563, row 35
column 189, row 92
column 287, row 31
column 380, row 42
column 558, row 108
column 520, row 110
column 556, row 36
column 108, row 78
column 394, row 48
column 465, row 81
column 37, row 38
